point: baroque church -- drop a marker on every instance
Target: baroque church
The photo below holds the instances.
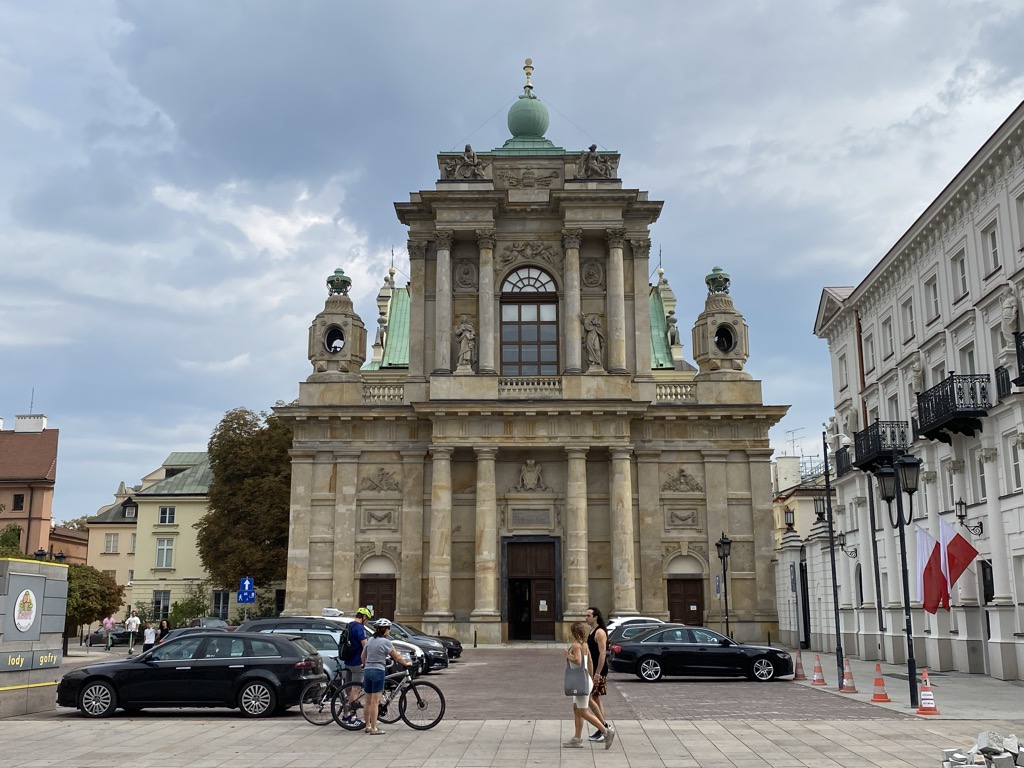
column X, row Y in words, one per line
column 526, row 439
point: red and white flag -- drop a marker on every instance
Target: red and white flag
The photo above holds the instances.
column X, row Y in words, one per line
column 932, row 585
column 957, row 553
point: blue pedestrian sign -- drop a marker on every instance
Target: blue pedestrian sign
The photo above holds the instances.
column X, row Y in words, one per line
column 246, row 590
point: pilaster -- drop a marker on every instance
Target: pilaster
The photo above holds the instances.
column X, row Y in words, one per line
column 616, row 239
column 485, row 239
column 439, row 574
column 621, row 510
column 577, row 592
column 443, row 303
column 572, row 351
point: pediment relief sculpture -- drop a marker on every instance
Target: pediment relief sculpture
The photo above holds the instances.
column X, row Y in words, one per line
column 531, row 477
column 381, row 481
column 681, row 482
column 520, row 250
column 528, row 179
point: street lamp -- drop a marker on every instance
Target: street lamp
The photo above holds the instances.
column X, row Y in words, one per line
column 790, row 517
column 841, row 540
column 724, row 546
column 832, row 560
column 961, row 515
column 893, row 482
column 42, row 554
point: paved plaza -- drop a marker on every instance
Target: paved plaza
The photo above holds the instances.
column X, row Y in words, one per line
column 506, row 708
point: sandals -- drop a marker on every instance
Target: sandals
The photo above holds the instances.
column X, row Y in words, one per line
column 374, row 731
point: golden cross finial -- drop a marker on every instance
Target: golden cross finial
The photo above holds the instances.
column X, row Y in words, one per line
column 528, row 69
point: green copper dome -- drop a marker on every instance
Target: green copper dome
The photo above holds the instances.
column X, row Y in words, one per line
column 528, row 117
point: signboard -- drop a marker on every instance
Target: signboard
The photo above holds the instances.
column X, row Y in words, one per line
column 246, row 590
column 22, row 661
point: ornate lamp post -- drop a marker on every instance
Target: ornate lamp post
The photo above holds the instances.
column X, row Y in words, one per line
column 841, row 541
column 832, row 560
column 893, row 482
column 724, row 546
column 961, row 517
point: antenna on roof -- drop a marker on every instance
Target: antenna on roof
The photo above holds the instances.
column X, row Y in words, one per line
column 791, row 439
column 32, row 400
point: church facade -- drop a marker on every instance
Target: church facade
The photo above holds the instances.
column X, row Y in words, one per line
column 525, row 439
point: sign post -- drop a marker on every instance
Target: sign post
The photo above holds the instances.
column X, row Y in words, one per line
column 246, row 593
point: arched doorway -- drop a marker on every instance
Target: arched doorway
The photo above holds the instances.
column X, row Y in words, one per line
column 377, row 586
column 685, row 590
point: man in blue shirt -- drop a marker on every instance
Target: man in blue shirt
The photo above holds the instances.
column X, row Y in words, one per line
column 353, row 663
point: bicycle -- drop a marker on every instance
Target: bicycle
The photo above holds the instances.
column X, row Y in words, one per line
column 421, row 704
column 315, row 699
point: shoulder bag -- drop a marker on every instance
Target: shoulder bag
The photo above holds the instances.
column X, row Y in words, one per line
column 577, row 681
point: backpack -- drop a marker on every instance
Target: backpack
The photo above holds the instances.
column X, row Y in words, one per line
column 347, row 645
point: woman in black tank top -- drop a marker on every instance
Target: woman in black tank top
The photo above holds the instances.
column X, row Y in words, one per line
column 597, row 646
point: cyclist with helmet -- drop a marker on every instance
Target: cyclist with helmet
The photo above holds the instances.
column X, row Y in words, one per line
column 375, row 656
column 353, row 664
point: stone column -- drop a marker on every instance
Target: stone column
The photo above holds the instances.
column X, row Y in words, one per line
column 299, row 516
column 621, row 510
column 641, row 310
column 417, row 310
column 486, row 330
column 716, row 489
column 410, row 596
column 653, row 600
column 486, row 554
column 344, row 572
column 572, row 351
column 1002, row 643
column 439, row 569
column 443, row 303
column 616, row 339
column 577, row 585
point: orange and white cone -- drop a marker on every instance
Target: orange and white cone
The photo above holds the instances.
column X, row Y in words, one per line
column 819, row 677
column 848, row 686
column 800, row 674
column 927, row 700
column 880, row 694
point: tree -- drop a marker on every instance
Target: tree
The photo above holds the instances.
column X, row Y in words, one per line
column 10, row 541
column 91, row 596
column 77, row 523
column 195, row 604
column 245, row 530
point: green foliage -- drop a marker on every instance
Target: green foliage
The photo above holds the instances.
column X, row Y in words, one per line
column 264, row 607
column 10, row 541
column 91, row 596
column 195, row 604
column 245, row 530
column 77, row 523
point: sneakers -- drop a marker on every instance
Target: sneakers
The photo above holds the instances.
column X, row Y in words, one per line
column 609, row 737
column 573, row 743
column 597, row 737
column 353, row 722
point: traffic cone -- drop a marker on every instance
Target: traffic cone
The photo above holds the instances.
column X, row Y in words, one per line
column 927, row 700
column 819, row 676
column 848, row 686
column 880, row 694
column 800, row 675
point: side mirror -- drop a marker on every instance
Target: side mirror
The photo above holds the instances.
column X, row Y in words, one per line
column 725, row 641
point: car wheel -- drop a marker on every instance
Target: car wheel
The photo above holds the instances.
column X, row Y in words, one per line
column 762, row 669
column 257, row 699
column 649, row 670
column 97, row 699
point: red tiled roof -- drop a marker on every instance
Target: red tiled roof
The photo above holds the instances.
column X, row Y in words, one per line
column 28, row 455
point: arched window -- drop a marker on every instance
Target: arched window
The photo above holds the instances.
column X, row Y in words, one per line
column 529, row 324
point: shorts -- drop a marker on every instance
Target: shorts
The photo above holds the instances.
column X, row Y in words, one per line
column 353, row 674
column 581, row 702
column 373, row 680
column 600, row 689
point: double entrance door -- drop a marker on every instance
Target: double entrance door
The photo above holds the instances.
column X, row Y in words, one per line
column 531, row 577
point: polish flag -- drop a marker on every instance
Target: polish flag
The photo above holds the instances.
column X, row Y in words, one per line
column 957, row 553
column 932, row 585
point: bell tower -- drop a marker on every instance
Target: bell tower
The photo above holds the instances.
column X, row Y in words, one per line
column 720, row 339
column 337, row 337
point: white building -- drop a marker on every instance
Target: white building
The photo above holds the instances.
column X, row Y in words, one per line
column 924, row 360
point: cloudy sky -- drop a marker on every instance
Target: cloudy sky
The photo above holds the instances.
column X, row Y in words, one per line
column 179, row 178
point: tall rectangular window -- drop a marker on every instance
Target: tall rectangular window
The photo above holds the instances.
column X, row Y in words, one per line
column 166, row 515
column 110, row 543
column 967, row 364
column 990, row 244
column 907, row 310
column 844, row 376
column 869, row 353
column 959, row 274
column 131, row 551
column 887, row 338
column 161, row 603
column 18, row 503
column 982, row 487
column 131, row 576
column 165, row 553
column 221, row 603
column 938, row 374
column 931, row 297
column 948, row 492
column 1013, row 455
column 894, row 407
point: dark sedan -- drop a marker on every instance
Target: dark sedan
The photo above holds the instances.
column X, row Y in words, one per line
column 451, row 645
column 119, row 636
column 258, row 674
column 699, row 652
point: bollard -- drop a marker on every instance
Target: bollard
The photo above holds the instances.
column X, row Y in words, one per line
column 474, row 638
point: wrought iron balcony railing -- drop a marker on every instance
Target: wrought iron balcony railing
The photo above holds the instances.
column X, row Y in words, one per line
column 879, row 443
column 1018, row 343
column 844, row 461
column 1003, row 384
column 953, row 406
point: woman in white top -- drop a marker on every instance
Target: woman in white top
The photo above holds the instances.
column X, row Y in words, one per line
column 375, row 657
column 578, row 657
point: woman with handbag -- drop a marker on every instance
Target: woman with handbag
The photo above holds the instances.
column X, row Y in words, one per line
column 579, row 682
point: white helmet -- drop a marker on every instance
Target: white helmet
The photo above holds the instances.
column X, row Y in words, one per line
column 382, row 623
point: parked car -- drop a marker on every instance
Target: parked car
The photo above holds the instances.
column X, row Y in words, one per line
column 118, row 637
column 209, row 621
column 451, row 645
column 191, row 631
column 629, row 630
column 258, row 674
column 696, row 651
column 436, row 656
column 618, row 621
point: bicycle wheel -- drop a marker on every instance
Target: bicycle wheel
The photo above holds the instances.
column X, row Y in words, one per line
column 348, row 712
column 388, row 709
column 315, row 703
column 421, row 705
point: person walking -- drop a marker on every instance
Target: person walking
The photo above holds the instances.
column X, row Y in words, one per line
column 353, row 669
column 375, row 655
column 131, row 624
column 162, row 629
column 577, row 656
column 597, row 645
column 108, row 630
column 148, row 637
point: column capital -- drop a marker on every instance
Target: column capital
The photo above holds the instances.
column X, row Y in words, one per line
column 641, row 248
column 441, row 451
column 616, row 238
column 444, row 238
column 410, row 457
column 417, row 249
column 645, row 455
column 621, row 451
column 571, row 238
column 574, row 452
column 486, row 452
column 486, row 238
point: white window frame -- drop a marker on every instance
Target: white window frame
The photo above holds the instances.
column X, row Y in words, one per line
column 888, row 340
column 931, row 294
column 221, row 603
column 990, row 247
column 133, row 541
column 844, row 374
column 161, row 604
column 869, row 352
column 1013, row 475
column 110, row 542
column 166, row 516
column 165, row 552
column 893, row 406
column 938, row 373
column 959, row 273
column 980, row 481
column 948, row 485
column 968, row 359
column 907, row 315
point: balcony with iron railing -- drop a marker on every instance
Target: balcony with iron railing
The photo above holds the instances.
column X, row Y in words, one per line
column 955, row 405
column 1018, row 343
column 844, row 461
column 879, row 443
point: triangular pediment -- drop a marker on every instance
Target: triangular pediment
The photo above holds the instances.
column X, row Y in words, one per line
column 832, row 300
